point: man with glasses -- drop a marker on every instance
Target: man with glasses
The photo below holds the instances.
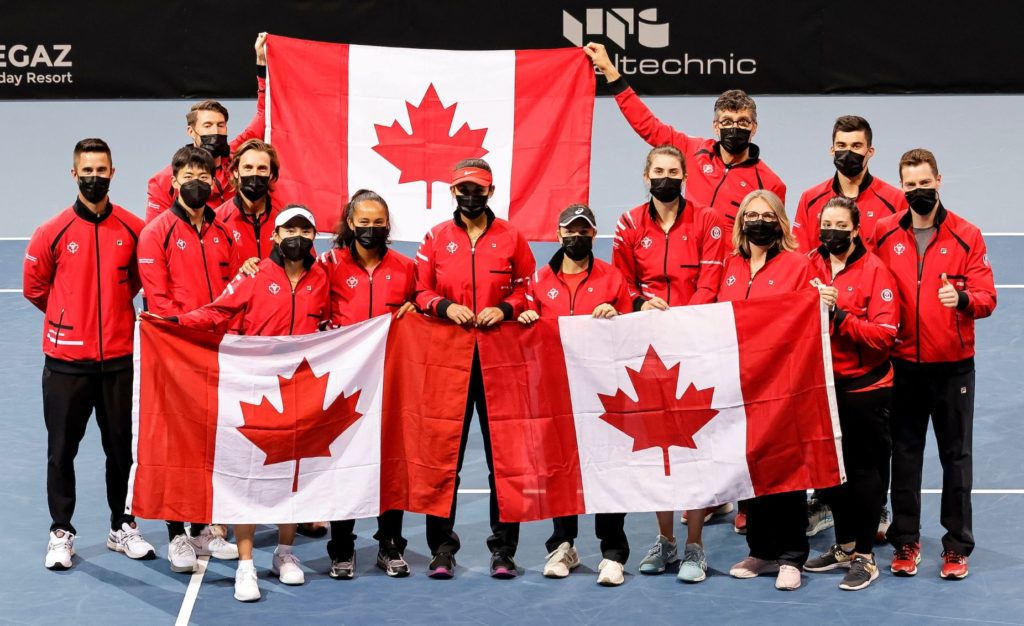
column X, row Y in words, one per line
column 722, row 170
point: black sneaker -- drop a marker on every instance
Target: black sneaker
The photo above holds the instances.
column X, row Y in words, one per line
column 389, row 559
column 503, row 566
column 314, row 530
column 442, row 566
column 343, row 569
column 863, row 572
column 833, row 558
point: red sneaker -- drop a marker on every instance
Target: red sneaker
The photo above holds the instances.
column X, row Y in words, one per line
column 905, row 559
column 954, row 565
column 739, row 524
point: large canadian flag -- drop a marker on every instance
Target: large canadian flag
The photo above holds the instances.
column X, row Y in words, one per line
column 291, row 429
column 396, row 120
column 662, row 410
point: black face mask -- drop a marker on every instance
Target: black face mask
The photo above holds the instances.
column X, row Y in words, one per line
column 835, row 241
column 922, row 201
column 254, row 187
column 848, row 162
column 735, row 140
column 216, row 144
column 372, row 237
column 666, row 189
column 577, row 247
column 472, row 206
column 762, row 233
column 295, row 248
column 195, row 193
column 93, row 188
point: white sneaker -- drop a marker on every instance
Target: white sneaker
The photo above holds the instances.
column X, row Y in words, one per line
column 209, row 544
column 218, row 530
column 561, row 561
column 60, row 550
column 247, row 588
column 181, row 554
column 286, row 567
column 130, row 541
column 609, row 573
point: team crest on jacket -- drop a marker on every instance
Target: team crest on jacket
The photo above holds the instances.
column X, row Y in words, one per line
column 899, row 248
column 730, row 281
column 73, row 247
column 451, row 247
column 708, row 168
column 716, row 233
column 237, row 235
column 274, row 288
column 646, row 242
column 553, row 293
column 352, row 282
column 181, row 244
column 887, row 295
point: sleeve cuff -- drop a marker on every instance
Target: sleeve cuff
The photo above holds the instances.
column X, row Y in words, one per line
column 638, row 303
column 442, row 307
column 839, row 316
column 506, row 308
column 618, row 85
column 962, row 300
column 261, row 71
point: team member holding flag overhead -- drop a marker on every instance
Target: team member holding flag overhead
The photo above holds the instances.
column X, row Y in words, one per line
column 366, row 280
column 574, row 282
column 472, row 270
column 860, row 294
column 264, row 310
column 764, row 264
column 670, row 250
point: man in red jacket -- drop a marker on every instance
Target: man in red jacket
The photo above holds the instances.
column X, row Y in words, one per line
column 851, row 151
column 185, row 256
column 944, row 283
column 80, row 271
column 722, row 172
column 472, row 270
column 249, row 215
column 208, row 128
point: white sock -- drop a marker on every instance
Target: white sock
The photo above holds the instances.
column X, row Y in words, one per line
column 245, row 565
column 283, row 549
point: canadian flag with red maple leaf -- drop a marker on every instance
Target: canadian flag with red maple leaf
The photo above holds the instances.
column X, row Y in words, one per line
column 296, row 429
column 396, row 120
column 662, row 410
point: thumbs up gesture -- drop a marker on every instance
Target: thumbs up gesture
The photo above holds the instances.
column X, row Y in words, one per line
column 948, row 295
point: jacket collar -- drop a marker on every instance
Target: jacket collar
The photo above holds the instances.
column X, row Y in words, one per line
column 940, row 216
column 864, row 184
column 208, row 214
column 252, row 219
column 753, row 155
column 556, row 262
column 83, row 211
column 653, row 212
column 487, row 211
column 859, row 250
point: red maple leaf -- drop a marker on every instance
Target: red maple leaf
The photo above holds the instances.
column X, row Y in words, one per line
column 304, row 429
column 657, row 419
column 428, row 153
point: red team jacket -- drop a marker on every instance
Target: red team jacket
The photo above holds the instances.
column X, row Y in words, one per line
column 183, row 269
column 549, row 295
column 253, row 236
column 930, row 332
column 867, row 312
column 876, row 199
column 783, row 272
column 682, row 266
column 266, row 303
column 80, row 271
column 160, row 194
column 709, row 180
column 450, row 269
column 358, row 295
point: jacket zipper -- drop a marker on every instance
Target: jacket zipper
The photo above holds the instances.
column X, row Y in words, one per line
column 920, row 272
column 728, row 169
column 206, row 268
column 369, row 313
column 664, row 270
column 291, row 323
column 99, row 293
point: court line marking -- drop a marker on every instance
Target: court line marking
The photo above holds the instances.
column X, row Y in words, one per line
column 189, row 601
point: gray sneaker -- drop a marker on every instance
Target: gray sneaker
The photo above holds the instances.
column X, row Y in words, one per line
column 829, row 560
column 819, row 517
column 661, row 554
column 863, row 572
column 694, row 567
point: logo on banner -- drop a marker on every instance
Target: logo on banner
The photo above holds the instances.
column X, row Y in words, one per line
column 22, row 64
column 631, row 28
column 617, row 25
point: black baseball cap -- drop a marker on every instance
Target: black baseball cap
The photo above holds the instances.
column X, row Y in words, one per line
column 575, row 212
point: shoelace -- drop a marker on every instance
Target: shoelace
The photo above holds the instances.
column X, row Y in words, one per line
column 288, row 558
column 953, row 557
column 181, row 547
column 693, row 557
column 65, row 542
column 655, row 550
column 904, row 553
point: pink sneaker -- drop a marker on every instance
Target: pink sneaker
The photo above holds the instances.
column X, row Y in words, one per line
column 752, row 567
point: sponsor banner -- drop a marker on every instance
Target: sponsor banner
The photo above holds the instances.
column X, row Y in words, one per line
column 164, row 50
